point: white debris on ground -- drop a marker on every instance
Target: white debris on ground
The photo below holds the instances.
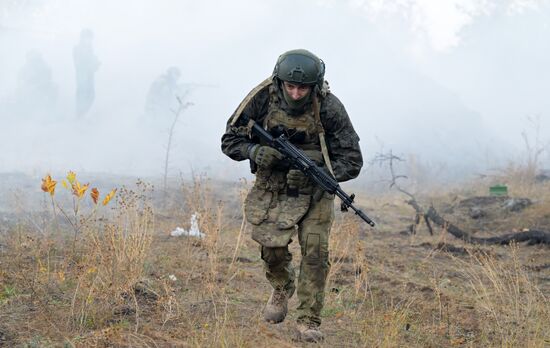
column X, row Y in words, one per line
column 172, row 277
column 193, row 230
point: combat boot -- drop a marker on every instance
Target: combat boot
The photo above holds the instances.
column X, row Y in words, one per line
column 277, row 306
column 309, row 332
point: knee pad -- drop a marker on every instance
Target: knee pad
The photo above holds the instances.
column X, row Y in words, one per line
column 275, row 256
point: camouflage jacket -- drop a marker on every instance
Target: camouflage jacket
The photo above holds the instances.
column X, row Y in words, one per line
column 342, row 140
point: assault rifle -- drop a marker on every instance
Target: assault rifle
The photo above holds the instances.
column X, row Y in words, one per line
column 300, row 161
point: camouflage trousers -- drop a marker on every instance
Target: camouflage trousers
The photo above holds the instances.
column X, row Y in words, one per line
column 313, row 235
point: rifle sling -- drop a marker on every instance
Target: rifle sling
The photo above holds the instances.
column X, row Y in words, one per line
column 248, row 98
column 324, row 149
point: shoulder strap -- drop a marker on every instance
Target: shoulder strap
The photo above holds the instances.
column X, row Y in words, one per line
column 248, row 98
column 321, row 131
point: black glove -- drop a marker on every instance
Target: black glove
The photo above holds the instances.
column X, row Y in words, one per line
column 296, row 179
column 265, row 156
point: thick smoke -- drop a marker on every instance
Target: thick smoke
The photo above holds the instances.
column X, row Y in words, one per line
column 92, row 86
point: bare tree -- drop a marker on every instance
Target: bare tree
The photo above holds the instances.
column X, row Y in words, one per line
column 177, row 112
column 534, row 146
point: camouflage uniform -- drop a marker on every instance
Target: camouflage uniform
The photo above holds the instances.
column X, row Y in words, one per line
column 275, row 217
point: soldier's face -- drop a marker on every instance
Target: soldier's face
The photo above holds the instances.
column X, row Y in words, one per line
column 296, row 91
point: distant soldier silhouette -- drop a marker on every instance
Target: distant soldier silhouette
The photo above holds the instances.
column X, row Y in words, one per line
column 86, row 64
column 36, row 92
column 162, row 95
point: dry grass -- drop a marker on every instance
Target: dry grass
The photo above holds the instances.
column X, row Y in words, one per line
column 113, row 256
column 514, row 311
column 126, row 282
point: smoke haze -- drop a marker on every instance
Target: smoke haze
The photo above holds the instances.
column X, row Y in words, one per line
column 452, row 82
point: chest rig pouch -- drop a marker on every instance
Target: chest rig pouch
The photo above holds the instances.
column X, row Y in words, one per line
column 273, row 214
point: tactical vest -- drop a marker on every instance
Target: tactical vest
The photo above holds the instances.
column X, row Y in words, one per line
column 302, row 130
column 268, row 208
column 304, row 123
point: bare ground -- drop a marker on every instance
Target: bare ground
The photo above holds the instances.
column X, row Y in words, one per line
column 140, row 287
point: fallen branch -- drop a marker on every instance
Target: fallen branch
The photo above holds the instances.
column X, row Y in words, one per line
column 531, row 236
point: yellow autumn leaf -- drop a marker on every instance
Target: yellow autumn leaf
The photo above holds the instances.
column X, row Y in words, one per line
column 48, row 185
column 79, row 190
column 95, row 195
column 65, row 185
column 110, row 196
column 71, row 177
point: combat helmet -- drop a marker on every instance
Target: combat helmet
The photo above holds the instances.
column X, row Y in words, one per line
column 300, row 66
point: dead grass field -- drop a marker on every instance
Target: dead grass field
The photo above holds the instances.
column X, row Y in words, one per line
column 116, row 278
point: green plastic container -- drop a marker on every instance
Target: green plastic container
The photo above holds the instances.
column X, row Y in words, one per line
column 498, row 190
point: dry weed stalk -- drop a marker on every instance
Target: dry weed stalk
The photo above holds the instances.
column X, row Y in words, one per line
column 348, row 248
column 243, row 190
column 177, row 112
column 113, row 261
column 342, row 241
column 361, row 266
column 200, row 200
column 388, row 325
column 169, row 303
